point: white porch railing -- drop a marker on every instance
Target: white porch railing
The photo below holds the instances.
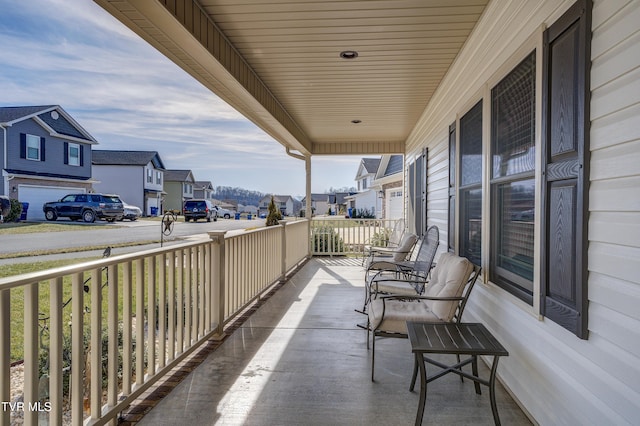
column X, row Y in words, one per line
column 340, row 236
column 130, row 319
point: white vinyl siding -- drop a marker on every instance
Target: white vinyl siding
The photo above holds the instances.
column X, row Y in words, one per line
column 559, row 378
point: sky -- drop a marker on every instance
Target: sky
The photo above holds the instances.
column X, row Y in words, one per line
column 128, row 96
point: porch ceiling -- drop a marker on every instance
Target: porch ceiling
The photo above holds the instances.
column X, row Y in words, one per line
column 279, row 64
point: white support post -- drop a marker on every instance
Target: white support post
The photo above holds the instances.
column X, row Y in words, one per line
column 283, row 244
column 217, row 281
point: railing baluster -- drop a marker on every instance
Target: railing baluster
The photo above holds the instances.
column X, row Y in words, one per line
column 127, row 324
column 31, row 350
column 180, row 303
column 55, row 350
column 5, row 352
column 96, row 343
column 202, row 268
column 151, row 316
column 162, row 310
column 139, row 267
column 77, row 347
column 171, row 324
column 187, row 297
column 113, row 330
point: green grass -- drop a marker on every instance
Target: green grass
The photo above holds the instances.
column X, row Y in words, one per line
column 74, row 249
column 33, row 228
column 17, row 300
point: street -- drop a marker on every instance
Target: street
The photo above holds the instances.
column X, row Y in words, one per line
column 104, row 233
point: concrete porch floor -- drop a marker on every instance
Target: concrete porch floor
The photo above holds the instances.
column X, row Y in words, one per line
column 301, row 360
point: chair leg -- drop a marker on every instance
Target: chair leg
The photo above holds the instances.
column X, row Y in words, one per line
column 373, row 356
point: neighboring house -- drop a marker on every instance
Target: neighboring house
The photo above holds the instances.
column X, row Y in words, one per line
column 178, row 185
column 367, row 199
column 247, row 209
column 203, row 189
column 339, row 203
column 319, row 203
column 389, row 183
column 285, row 203
column 136, row 176
column 45, row 155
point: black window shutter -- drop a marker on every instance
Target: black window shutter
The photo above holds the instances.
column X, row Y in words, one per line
column 66, row 153
column 81, row 155
column 42, row 157
column 23, row 145
column 565, row 152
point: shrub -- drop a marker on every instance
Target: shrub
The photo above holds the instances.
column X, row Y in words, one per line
column 363, row 214
column 16, row 211
column 327, row 240
column 381, row 239
column 274, row 215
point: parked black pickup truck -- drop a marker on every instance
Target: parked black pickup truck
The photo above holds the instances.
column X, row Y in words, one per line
column 87, row 207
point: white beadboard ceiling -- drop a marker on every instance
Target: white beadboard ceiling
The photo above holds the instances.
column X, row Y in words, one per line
column 278, row 62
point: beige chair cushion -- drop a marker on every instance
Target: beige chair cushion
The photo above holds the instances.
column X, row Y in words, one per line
column 448, row 279
column 397, row 313
column 394, row 287
column 403, row 250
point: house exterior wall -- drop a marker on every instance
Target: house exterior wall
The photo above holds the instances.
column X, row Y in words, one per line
column 54, row 153
column 173, row 198
column 126, row 181
column 154, row 185
column 557, row 377
column 368, row 200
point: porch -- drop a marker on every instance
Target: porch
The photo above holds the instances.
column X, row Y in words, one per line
column 275, row 330
column 300, row 359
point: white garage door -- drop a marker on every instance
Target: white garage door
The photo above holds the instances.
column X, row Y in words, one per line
column 395, row 203
column 36, row 196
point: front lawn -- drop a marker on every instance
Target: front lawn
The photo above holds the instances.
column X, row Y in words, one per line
column 38, row 227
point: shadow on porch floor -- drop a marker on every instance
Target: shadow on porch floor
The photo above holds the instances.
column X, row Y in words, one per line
column 300, row 359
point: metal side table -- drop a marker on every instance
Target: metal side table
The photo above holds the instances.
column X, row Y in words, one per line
column 471, row 339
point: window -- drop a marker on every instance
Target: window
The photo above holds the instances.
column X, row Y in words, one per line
column 417, row 186
column 471, row 184
column 31, row 147
column 158, row 178
column 149, row 176
column 74, row 154
column 513, row 180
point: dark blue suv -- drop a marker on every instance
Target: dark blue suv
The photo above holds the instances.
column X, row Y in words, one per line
column 87, row 207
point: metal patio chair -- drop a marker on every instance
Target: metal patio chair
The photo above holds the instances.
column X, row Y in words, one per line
column 443, row 300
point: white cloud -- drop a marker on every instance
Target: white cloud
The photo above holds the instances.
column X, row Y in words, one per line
column 129, row 96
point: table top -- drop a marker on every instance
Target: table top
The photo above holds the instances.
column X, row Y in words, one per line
column 453, row 338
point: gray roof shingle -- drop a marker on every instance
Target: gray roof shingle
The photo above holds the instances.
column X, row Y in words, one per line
column 102, row 157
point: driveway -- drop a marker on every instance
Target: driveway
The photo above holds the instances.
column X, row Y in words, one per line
column 103, row 233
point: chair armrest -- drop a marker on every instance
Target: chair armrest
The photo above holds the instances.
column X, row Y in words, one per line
column 419, row 297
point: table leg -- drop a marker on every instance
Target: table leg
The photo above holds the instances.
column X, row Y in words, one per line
column 492, row 391
column 415, row 373
column 423, row 387
column 474, row 370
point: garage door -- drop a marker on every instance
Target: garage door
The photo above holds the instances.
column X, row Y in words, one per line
column 36, row 196
column 395, row 203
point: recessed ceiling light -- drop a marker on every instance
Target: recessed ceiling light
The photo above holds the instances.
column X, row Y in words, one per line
column 356, row 121
column 349, row 54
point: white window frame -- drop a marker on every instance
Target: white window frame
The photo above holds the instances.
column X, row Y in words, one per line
column 73, row 160
column 32, row 142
